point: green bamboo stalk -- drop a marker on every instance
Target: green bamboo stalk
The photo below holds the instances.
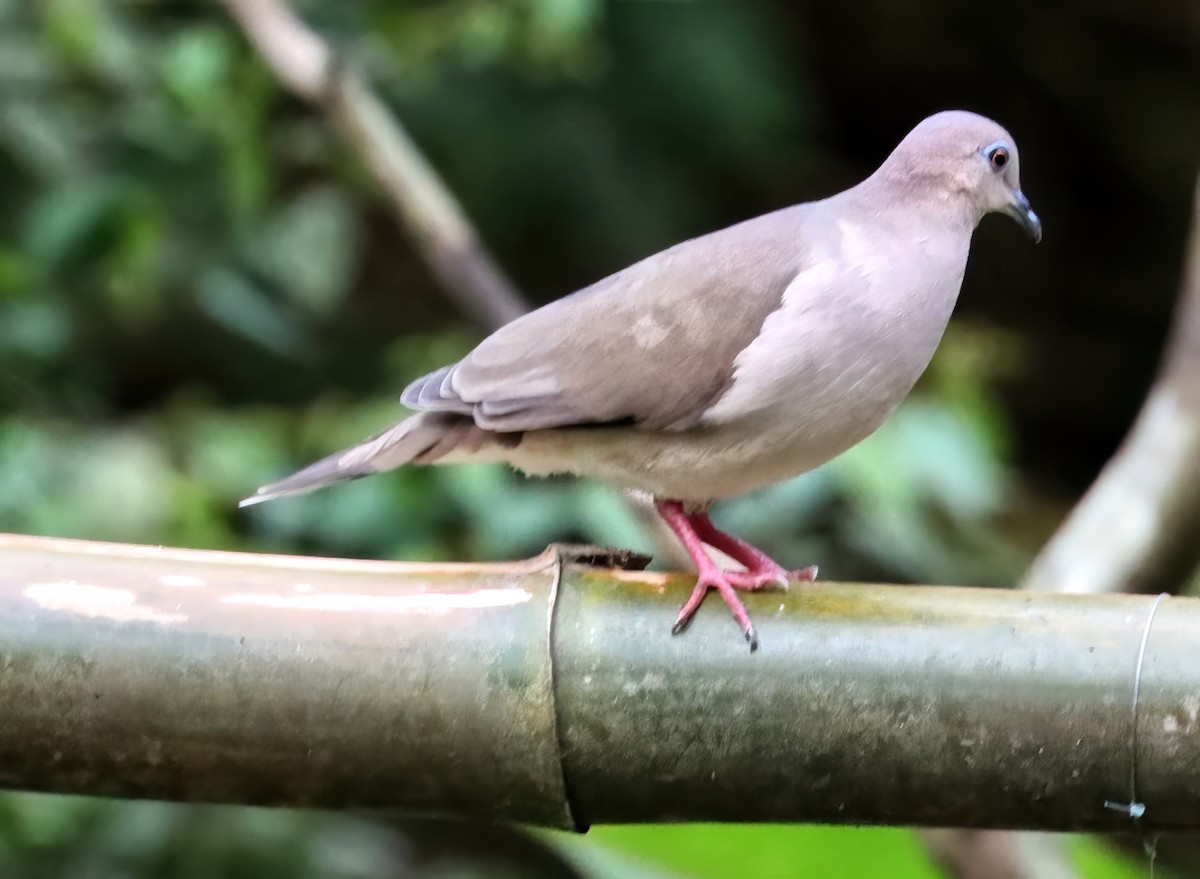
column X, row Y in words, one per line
column 550, row 692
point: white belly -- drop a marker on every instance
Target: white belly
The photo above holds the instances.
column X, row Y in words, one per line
column 705, row 464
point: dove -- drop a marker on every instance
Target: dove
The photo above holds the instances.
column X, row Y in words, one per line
column 726, row 363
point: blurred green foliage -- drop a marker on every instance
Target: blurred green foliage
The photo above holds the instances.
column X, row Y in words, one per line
column 200, row 290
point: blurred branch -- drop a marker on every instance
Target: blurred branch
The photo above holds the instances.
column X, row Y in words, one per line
column 996, row 854
column 973, row 854
column 549, row 691
column 1138, row 527
column 425, row 206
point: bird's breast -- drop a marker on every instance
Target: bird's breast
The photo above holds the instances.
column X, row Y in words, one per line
column 853, row 334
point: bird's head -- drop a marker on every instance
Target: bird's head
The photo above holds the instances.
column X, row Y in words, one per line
column 956, row 155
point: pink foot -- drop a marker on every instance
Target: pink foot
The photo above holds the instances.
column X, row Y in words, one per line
column 762, row 578
column 761, row 571
column 715, row 578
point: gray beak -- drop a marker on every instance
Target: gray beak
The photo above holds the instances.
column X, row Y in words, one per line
column 1020, row 211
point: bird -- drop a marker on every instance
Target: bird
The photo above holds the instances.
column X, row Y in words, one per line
column 728, row 362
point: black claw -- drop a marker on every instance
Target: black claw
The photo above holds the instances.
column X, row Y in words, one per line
column 752, row 637
column 679, row 626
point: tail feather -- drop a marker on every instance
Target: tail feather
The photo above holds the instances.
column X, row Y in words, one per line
column 398, row 445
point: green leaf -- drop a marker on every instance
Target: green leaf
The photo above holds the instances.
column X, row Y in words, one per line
column 135, row 262
column 1096, row 860
column 74, row 28
column 24, row 59
column 17, row 273
column 711, row 851
column 64, row 218
column 196, row 66
column 233, row 301
column 231, row 453
column 311, row 246
column 45, row 138
column 40, row 328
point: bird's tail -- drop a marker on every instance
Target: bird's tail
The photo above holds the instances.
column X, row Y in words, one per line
column 412, row 439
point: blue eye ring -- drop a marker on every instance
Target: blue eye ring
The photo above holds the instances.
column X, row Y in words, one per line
column 998, row 156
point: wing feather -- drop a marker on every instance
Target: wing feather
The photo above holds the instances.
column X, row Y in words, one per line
column 654, row 344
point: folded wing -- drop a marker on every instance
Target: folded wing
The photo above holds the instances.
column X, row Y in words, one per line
column 653, row 345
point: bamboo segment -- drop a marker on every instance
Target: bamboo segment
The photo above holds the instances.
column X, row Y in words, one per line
column 225, row 677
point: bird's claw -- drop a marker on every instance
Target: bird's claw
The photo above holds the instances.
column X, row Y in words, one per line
column 728, row 582
column 724, row 583
column 685, row 619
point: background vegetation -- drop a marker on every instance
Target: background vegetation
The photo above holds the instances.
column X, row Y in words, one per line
column 200, row 290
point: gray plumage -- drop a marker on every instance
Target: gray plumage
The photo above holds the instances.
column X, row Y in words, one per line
column 730, row 361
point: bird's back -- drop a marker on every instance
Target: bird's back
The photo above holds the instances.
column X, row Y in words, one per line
column 652, row 345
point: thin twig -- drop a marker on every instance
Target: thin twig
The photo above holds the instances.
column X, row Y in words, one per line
column 424, row 204
column 1138, row 527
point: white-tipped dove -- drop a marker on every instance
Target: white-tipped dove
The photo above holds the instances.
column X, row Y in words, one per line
column 725, row 363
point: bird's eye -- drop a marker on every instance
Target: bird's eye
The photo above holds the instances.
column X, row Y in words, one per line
column 998, row 157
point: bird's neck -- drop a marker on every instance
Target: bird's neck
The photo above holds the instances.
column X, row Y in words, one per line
column 909, row 192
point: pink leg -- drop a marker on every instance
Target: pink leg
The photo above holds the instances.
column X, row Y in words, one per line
column 761, row 569
column 711, row 576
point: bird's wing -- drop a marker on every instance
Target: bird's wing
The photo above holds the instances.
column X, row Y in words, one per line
column 653, row 345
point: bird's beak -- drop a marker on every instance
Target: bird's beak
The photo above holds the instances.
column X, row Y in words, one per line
column 1020, row 211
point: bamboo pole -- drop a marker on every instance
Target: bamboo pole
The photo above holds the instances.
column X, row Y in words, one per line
column 550, row 692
